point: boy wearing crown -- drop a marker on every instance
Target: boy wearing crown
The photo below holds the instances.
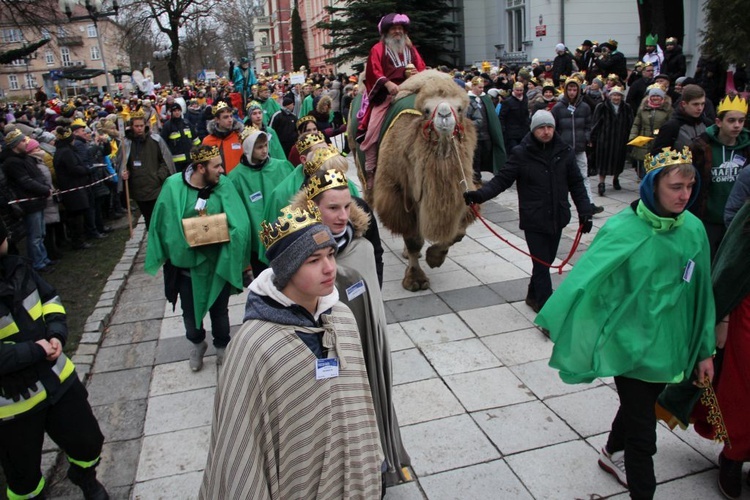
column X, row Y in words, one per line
column 224, row 133
column 293, row 410
column 638, row 306
column 719, row 154
column 202, row 276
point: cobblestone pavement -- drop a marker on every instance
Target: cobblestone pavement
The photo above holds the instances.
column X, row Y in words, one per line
column 482, row 414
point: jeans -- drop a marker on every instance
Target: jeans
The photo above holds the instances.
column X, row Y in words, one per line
column 35, row 232
column 542, row 246
column 634, row 431
column 218, row 312
column 583, row 166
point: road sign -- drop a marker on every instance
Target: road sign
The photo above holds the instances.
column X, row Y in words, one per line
column 541, row 30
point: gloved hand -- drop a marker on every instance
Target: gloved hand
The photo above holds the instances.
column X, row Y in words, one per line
column 472, row 197
column 586, row 222
column 17, row 384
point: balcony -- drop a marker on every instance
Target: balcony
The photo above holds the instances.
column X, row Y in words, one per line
column 74, row 64
column 264, row 50
column 70, row 41
column 262, row 22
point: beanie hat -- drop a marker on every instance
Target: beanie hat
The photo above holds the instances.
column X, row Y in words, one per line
column 656, row 91
column 31, row 145
column 559, row 47
column 13, row 138
column 287, row 100
column 681, row 80
column 541, row 118
column 306, row 235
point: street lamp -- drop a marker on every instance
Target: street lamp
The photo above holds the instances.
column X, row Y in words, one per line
column 96, row 12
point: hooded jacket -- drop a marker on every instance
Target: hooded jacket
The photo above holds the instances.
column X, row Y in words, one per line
column 25, row 179
column 679, row 131
column 228, row 142
column 573, row 121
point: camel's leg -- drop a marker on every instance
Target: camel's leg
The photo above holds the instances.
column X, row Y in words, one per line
column 414, row 279
column 437, row 253
column 405, row 253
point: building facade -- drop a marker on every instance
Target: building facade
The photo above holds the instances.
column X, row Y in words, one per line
column 272, row 34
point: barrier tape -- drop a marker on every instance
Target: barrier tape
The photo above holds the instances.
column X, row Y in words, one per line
column 58, row 192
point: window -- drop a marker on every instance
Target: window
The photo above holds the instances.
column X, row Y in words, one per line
column 95, row 56
column 516, row 24
column 45, row 34
column 18, row 62
column 12, row 35
column 30, row 81
column 49, row 58
column 13, row 82
column 61, row 32
column 91, row 31
column 65, row 55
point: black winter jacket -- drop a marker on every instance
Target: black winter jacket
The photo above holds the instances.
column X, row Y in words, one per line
column 71, row 173
column 545, row 173
column 574, row 127
column 514, row 118
column 25, row 179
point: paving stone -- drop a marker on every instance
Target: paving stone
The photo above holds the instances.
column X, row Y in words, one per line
column 460, row 356
column 488, row 389
column 83, row 359
column 91, row 338
column 409, row 366
column 177, row 377
column 424, row 400
column 699, row 486
column 164, row 455
column 489, row 268
column 127, row 333
column 83, row 370
column 445, row 444
column 182, row 486
column 523, row 427
column 121, row 420
column 436, row 330
column 128, row 311
column 520, row 346
column 93, row 326
column 398, row 340
column 577, row 474
column 544, row 381
column 86, row 349
column 112, row 285
column 470, row 298
column 490, row 320
column 119, row 463
column 125, row 385
column 108, row 295
column 709, row 449
column 135, row 295
column 185, row 409
column 178, row 348
column 172, row 327
column 236, row 313
column 100, row 314
column 406, row 491
column 105, row 303
column 490, row 480
column 511, row 290
column 394, row 272
column 416, row 308
column 588, row 412
column 393, row 290
column 467, row 246
column 452, row 280
column 123, row 357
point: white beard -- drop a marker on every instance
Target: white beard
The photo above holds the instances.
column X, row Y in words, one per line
column 395, row 45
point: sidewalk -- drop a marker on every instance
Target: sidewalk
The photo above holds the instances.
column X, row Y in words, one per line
column 482, row 414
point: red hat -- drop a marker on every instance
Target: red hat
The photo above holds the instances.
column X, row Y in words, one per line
column 393, row 19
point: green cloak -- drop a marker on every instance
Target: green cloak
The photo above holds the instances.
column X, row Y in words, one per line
column 274, row 145
column 254, row 185
column 269, row 106
column 628, row 307
column 307, row 106
column 210, row 266
column 499, row 155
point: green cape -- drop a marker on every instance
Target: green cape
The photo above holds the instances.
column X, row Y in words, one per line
column 307, row 106
column 254, row 185
column 274, row 145
column 210, row 266
column 625, row 308
column 269, row 106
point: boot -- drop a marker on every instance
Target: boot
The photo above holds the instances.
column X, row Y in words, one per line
column 602, row 188
column 730, row 477
column 616, row 184
column 85, row 478
column 196, row 356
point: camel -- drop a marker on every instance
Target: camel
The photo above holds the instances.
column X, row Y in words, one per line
column 424, row 166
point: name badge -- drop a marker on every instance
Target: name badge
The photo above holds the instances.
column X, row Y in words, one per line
column 137, row 163
column 326, row 368
column 688, row 274
column 739, row 160
column 572, row 108
column 355, row 290
column 236, row 146
column 256, row 196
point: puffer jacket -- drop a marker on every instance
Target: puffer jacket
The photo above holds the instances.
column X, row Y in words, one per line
column 25, row 179
column 647, row 122
column 573, row 122
column 228, row 142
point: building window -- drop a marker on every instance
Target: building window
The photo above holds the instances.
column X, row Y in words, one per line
column 30, row 81
column 516, row 24
column 13, row 82
column 49, row 57
column 12, row 35
column 18, row 62
column 91, row 31
column 95, row 56
column 45, row 34
column 61, row 32
column 65, row 55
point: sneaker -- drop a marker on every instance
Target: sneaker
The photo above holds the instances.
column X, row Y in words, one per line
column 614, row 463
column 730, row 477
column 598, row 209
column 196, row 356
column 220, row 351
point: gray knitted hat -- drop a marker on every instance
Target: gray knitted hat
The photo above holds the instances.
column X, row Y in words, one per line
column 542, row 117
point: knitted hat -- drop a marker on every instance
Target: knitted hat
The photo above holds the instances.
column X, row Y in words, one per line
column 542, row 118
column 656, row 91
column 306, row 235
column 559, row 47
column 287, row 100
column 13, row 138
column 31, row 145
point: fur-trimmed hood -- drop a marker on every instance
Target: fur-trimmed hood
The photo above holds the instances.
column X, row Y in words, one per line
column 359, row 219
column 213, row 128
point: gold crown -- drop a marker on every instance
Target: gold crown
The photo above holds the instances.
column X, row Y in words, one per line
column 613, row 76
column 617, row 89
column 290, row 221
column 253, row 104
column 137, row 114
column 308, row 141
column 247, row 131
column 319, row 157
column 221, row 107
column 323, row 181
column 66, row 132
column 668, row 157
column 572, row 79
column 305, row 119
column 736, row 103
column 671, row 41
column 202, row 154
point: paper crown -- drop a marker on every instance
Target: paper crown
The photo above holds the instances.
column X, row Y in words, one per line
column 138, row 114
column 252, row 105
column 652, row 40
column 668, row 157
column 319, row 157
column 671, row 41
column 222, row 106
column 572, row 79
column 290, row 221
column 247, row 131
column 617, row 90
column 305, row 143
column 323, row 181
column 736, row 103
column 305, row 119
column 66, row 133
column 613, row 76
column 202, row 154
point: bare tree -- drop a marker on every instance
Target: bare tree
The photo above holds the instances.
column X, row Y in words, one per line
column 201, row 46
column 236, row 20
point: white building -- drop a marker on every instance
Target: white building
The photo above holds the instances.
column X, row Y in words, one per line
column 517, row 31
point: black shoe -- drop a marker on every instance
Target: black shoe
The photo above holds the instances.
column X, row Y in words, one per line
column 532, row 303
column 86, row 480
column 730, row 477
column 602, row 188
column 616, row 184
column 598, row 210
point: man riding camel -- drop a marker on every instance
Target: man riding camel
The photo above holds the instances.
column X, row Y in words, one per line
column 386, row 70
